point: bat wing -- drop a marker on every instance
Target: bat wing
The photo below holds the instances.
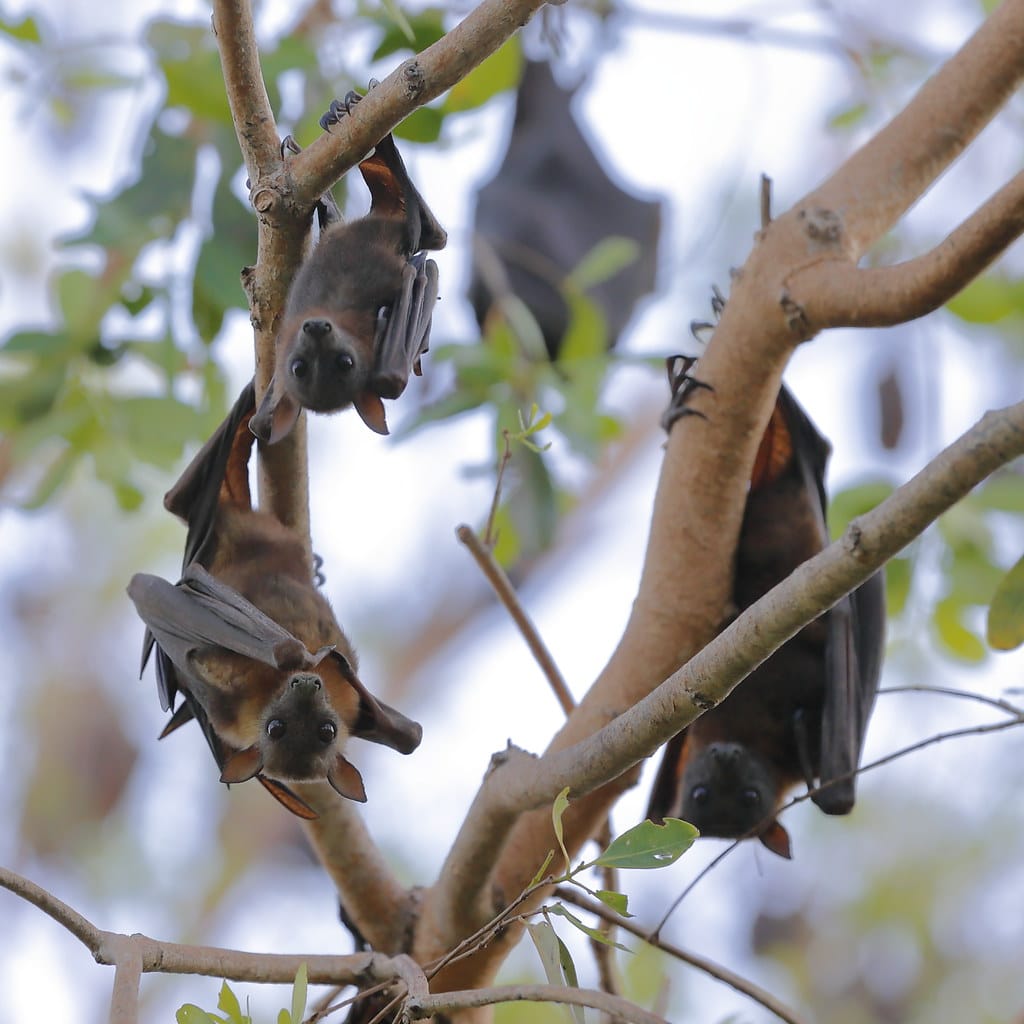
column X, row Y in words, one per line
column 856, row 638
column 201, row 612
column 393, row 194
column 403, row 334
column 379, row 722
column 666, row 799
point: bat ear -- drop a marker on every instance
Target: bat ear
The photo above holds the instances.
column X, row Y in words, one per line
column 371, row 411
column 379, row 722
column 284, row 796
column 776, row 838
column 346, row 780
column 275, row 416
column 243, row 765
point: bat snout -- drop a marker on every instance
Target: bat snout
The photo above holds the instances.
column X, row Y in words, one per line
column 317, row 328
column 323, row 368
column 307, row 685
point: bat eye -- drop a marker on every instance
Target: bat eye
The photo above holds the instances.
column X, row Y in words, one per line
column 700, row 794
column 344, row 362
column 327, row 732
column 276, row 728
column 299, row 368
column 750, row 797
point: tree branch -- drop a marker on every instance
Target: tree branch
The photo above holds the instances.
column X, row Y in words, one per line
column 152, row 955
column 281, row 246
column 375, row 901
column 413, row 83
column 448, row 1002
column 761, row 629
column 838, row 294
column 883, row 179
column 686, row 584
column 709, row 967
column 505, row 592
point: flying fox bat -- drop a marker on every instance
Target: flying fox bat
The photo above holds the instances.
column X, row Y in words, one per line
column 803, row 713
column 252, row 645
column 549, row 204
column 357, row 318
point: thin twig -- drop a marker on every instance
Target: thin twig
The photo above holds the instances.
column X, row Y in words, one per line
column 992, row 702
column 446, row 1002
column 709, row 967
column 502, row 586
column 109, row 948
column 490, row 537
column 654, row 936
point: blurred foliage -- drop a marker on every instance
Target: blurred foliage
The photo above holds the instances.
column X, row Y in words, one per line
column 104, row 383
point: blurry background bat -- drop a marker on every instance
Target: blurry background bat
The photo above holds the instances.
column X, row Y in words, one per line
column 801, row 715
column 250, row 642
column 358, row 313
column 548, row 205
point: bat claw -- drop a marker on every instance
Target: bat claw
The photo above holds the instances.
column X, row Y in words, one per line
column 340, row 108
column 683, row 384
column 289, row 145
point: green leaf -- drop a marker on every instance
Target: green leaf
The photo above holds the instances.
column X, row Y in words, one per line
column 604, row 261
column 618, row 901
column 898, row 577
column 848, row 117
column 426, row 26
column 191, row 1014
column 25, row 31
column 855, row 501
column 397, row 15
column 422, row 125
column 1005, row 627
column 557, row 810
column 284, row 1017
column 299, row 994
column 228, row 1001
column 960, row 641
column 649, row 846
column 556, row 960
column 586, row 337
column 594, row 933
column 497, row 73
column 988, row 299
column 191, row 66
column 543, row 869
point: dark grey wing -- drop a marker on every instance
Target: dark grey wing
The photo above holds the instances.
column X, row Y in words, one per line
column 403, row 334
column 196, row 495
column 853, row 659
column 201, row 612
column 379, row 722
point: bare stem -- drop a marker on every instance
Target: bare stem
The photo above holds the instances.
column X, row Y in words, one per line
column 502, row 586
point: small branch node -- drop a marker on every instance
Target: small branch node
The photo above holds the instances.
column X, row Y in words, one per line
column 796, row 316
column 414, row 77
column 822, row 225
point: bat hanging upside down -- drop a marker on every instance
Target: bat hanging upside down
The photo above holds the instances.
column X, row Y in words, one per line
column 803, row 713
column 252, row 645
column 358, row 313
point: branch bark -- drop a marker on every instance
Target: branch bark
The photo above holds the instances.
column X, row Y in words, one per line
column 686, row 581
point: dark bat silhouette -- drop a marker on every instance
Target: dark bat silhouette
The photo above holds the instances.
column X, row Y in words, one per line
column 252, row 645
column 549, row 204
column 358, row 314
column 803, row 713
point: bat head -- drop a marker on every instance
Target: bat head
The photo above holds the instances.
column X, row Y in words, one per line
column 729, row 792
column 324, row 364
column 301, row 736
